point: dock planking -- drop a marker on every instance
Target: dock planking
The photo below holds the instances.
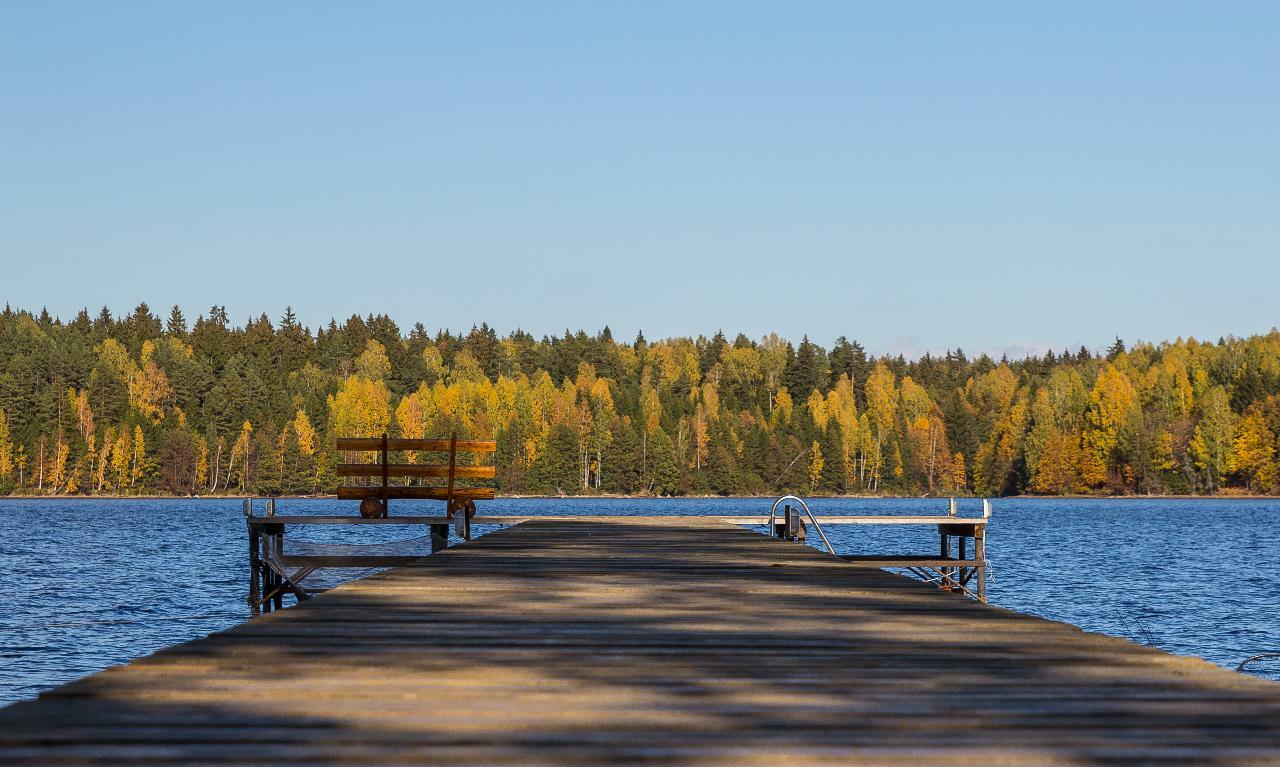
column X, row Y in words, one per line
column 649, row 640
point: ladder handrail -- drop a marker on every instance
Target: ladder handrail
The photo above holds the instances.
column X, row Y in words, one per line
column 773, row 513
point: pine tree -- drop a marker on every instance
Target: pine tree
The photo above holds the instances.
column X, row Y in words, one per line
column 1212, row 442
column 664, row 471
column 177, row 325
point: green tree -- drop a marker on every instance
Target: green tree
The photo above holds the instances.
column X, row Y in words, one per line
column 1212, row 442
column 663, row 469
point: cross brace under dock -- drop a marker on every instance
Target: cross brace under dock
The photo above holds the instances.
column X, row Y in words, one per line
column 960, row 565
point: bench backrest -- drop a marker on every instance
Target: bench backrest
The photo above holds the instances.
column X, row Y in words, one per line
column 383, row 471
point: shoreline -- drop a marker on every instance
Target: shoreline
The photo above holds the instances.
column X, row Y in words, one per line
column 664, row 498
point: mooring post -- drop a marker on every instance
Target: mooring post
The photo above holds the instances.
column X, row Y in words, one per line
column 439, row 538
column 780, row 527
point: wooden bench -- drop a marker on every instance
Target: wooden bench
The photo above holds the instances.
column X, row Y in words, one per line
column 374, row 499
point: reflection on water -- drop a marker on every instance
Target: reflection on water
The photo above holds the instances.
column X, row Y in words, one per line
column 94, row 583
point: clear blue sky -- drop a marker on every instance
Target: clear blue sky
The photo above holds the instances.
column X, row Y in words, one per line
column 914, row 175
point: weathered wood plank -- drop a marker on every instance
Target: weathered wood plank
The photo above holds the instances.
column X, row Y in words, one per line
column 367, row 444
column 873, row 519
column 649, row 640
column 359, row 492
column 414, row 470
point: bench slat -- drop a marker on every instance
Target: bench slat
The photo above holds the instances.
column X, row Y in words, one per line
column 414, row 470
column 438, row 445
column 360, row 492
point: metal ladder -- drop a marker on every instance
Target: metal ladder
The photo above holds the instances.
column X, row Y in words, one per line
column 773, row 510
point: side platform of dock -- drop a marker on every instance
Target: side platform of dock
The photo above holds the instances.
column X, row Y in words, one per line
column 649, row 639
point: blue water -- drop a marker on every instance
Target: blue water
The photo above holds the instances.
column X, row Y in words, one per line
column 89, row 583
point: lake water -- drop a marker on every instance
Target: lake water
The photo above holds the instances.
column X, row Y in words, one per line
column 92, row 583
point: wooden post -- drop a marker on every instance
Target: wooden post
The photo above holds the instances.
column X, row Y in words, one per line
column 255, row 565
column 980, row 554
column 960, row 570
column 439, row 538
column 780, row 527
column 386, row 502
column 945, row 551
column 453, row 462
column 264, row 572
column 279, row 578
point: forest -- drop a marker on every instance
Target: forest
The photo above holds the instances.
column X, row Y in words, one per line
column 141, row 404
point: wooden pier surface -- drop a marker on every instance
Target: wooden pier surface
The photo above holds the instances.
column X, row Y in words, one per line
column 648, row 640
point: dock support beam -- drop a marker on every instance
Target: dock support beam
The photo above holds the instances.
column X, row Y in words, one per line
column 255, row 567
column 980, row 554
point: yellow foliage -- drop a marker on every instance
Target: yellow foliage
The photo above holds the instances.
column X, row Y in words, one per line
column 650, row 409
column 465, row 368
column 781, row 408
column 676, row 360
column 433, row 365
column 373, row 362
column 6, row 447
column 882, row 401
column 1112, row 404
column 79, row 403
column 360, row 408
column 306, row 433
column 1057, row 469
column 58, row 465
column 741, row 367
column 701, row 436
column 1162, row 458
column 149, row 390
column 817, row 406
column 138, row 465
column 121, row 456
column 202, row 461
column 816, row 464
column 958, row 478
column 916, row 402
column 1253, row 453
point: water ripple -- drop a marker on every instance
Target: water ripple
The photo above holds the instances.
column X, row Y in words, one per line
column 96, row 583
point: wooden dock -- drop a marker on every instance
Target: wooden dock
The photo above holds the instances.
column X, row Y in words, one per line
column 649, row 640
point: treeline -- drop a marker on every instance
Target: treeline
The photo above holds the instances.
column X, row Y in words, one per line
column 140, row 404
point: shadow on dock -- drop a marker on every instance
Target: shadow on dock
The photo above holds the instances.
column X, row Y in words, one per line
column 646, row 641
